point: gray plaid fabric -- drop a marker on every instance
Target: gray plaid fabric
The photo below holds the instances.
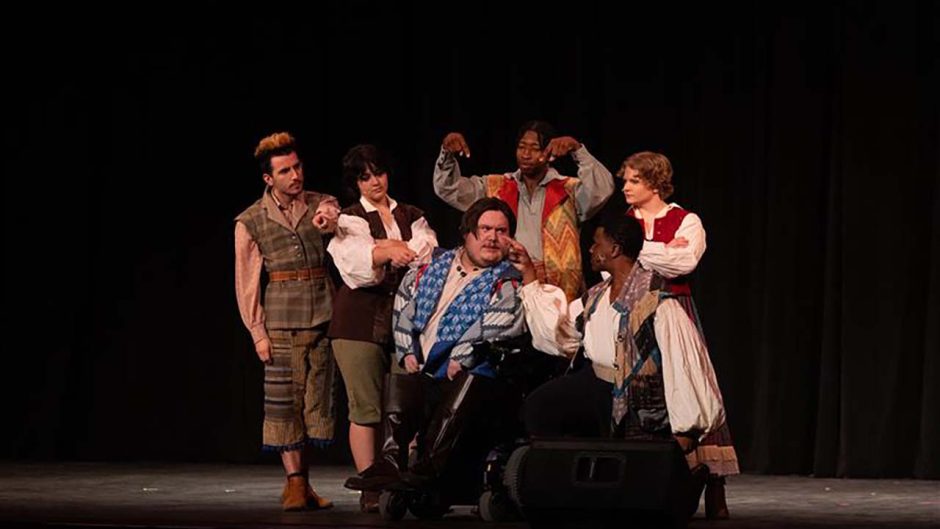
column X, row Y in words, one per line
column 291, row 304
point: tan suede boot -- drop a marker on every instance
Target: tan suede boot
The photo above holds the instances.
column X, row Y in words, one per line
column 294, row 497
column 316, row 502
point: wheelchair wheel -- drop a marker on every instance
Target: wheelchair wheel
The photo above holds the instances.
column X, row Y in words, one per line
column 496, row 507
column 428, row 506
column 512, row 476
column 392, row 505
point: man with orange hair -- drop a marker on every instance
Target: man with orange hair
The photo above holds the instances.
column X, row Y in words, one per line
column 283, row 233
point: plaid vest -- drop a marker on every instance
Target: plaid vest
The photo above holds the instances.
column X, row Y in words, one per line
column 291, row 304
column 638, row 409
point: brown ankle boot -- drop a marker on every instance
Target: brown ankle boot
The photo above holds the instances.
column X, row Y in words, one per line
column 294, row 497
column 716, row 508
column 316, row 502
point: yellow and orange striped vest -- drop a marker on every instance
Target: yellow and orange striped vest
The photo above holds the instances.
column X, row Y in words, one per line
column 561, row 244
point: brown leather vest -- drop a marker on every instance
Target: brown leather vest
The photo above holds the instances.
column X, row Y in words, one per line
column 365, row 314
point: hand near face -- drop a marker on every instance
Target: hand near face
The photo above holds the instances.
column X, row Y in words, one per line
column 519, row 257
column 455, row 143
column 559, row 147
column 489, row 243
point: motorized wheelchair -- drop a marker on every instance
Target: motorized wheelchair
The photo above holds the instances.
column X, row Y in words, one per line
column 470, row 428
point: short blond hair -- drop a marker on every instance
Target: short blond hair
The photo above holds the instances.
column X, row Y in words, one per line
column 277, row 144
column 653, row 168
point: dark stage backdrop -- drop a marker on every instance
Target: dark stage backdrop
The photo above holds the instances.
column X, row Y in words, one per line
column 806, row 137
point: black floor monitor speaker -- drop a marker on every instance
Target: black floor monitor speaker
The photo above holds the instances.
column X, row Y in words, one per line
column 603, row 482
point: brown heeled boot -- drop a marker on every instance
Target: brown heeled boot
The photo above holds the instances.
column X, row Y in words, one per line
column 295, row 498
column 315, row 502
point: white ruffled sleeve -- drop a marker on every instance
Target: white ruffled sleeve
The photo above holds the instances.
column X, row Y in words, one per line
column 550, row 319
column 351, row 248
column 674, row 262
column 423, row 241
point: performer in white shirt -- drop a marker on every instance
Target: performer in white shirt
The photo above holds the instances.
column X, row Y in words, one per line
column 674, row 244
column 647, row 373
column 377, row 241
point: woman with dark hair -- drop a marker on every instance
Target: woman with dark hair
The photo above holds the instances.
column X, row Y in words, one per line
column 674, row 244
column 376, row 241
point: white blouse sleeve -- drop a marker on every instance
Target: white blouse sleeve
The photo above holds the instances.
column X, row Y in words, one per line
column 550, row 319
column 423, row 241
column 692, row 396
column 351, row 248
column 673, row 262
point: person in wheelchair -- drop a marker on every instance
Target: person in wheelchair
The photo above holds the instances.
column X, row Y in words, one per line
column 443, row 312
column 639, row 377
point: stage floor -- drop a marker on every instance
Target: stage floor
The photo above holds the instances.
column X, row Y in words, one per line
column 246, row 496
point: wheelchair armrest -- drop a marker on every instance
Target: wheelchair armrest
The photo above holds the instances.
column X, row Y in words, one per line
column 496, row 351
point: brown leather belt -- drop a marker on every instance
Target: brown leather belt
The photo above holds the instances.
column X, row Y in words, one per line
column 303, row 274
